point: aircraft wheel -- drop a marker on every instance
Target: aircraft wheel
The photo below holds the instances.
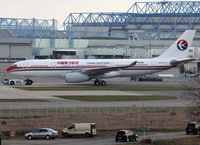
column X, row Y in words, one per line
column 29, row 82
column 97, row 83
column 103, row 83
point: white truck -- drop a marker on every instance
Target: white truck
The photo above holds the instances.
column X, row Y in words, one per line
column 86, row 129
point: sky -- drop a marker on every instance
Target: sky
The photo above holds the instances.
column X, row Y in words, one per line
column 60, row 9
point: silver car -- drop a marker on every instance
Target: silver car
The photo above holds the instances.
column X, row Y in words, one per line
column 45, row 133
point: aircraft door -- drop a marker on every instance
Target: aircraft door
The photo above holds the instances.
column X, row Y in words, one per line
column 53, row 64
column 25, row 64
column 153, row 63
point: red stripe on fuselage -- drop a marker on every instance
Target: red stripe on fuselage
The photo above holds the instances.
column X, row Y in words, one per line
column 79, row 67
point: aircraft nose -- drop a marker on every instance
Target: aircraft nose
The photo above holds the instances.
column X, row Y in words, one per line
column 8, row 69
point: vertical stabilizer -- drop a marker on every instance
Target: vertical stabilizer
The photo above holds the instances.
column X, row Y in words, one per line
column 180, row 48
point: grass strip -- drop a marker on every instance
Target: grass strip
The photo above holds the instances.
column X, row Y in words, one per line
column 116, row 98
column 111, row 88
column 23, row 100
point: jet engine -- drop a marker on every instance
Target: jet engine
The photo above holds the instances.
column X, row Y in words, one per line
column 76, row 77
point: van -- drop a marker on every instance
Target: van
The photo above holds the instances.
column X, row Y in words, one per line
column 86, row 129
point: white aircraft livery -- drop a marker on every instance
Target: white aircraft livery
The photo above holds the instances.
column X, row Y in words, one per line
column 81, row 70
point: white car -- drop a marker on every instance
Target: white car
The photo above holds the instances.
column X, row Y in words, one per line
column 46, row 133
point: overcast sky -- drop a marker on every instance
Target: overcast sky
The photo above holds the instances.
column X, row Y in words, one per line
column 60, row 9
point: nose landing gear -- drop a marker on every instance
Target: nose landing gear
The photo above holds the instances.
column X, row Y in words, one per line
column 99, row 83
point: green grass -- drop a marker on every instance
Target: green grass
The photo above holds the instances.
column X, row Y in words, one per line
column 111, row 88
column 116, row 98
column 23, row 100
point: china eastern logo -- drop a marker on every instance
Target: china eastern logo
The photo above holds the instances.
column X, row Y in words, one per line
column 182, row 45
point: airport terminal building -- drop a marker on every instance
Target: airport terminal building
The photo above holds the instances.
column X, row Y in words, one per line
column 144, row 31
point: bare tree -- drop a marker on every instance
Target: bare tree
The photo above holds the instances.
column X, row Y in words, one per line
column 193, row 92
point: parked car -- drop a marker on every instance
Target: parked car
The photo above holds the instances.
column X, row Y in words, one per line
column 46, row 133
column 195, row 75
column 87, row 129
column 126, row 135
column 193, row 128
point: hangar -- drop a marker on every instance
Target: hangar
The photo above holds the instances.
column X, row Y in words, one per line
column 14, row 49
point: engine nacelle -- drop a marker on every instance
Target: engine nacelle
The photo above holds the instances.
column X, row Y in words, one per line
column 76, row 77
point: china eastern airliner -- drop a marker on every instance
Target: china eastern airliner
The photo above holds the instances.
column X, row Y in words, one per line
column 82, row 70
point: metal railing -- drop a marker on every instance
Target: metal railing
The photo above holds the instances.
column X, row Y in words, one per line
column 43, row 111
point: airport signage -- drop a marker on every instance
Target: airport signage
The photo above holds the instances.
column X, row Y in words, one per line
column 143, row 128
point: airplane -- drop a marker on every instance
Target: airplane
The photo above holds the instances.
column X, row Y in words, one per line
column 82, row 70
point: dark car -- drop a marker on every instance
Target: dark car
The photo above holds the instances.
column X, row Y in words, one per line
column 193, row 128
column 46, row 133
column 126, row 135
column 195, row 76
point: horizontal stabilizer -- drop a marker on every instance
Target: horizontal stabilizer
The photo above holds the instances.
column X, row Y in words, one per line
column 176, row 62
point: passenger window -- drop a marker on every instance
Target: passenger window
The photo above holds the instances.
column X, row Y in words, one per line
column 44, row 130
column 93, row 126
column 36, row 131
column 71, row 126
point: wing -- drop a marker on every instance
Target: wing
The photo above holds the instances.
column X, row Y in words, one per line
column 107, row 69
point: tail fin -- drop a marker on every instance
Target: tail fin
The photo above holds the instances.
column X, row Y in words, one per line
column 180, row 48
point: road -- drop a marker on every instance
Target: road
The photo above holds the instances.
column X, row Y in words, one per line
column 98, row 140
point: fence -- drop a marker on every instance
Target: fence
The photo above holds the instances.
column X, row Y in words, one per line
column 43, row 111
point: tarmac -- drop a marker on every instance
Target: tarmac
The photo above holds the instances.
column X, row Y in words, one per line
column 8, row 92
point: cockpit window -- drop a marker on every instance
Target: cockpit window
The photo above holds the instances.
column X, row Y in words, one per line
column 14, row 65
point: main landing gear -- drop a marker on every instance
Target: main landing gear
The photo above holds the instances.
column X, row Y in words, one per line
column 28, row 82
column 100, row 83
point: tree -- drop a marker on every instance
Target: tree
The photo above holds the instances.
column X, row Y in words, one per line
column 193, row 92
